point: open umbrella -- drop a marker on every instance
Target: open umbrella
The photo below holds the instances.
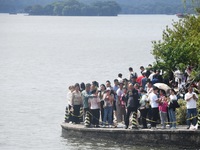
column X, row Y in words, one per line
column 162, row 86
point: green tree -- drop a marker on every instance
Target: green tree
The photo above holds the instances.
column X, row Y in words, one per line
column 36, row 10
column 180, row 45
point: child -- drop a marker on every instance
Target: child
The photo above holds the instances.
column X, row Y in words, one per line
column 163, row 104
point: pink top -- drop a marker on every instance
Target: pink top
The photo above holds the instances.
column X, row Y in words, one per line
column 163, row 106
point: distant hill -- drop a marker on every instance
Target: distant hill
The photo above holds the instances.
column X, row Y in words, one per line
column 127, row 6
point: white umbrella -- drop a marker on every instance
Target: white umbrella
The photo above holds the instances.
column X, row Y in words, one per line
column 162, row 86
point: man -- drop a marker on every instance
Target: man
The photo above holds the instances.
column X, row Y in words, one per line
column 139, row 78
column 132, row 73
column 118, row 103
column 191, row 104
column 133, row 80
column 149, row 70
column 120, row 78
column 116, row 85
column 144, row 80
column 85, row 96
column 142, row 69
column 153, row 98
column 115, row 88
column 132, row 104
column 157, row 77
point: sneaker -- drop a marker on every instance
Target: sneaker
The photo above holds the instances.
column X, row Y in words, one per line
column 134, row 127
column 97, row 126
column 173, row 128
column 153, row 128
column 110, row 126
column 188, row 127
column 144, row 128
column 163, row 128
column 103, row 126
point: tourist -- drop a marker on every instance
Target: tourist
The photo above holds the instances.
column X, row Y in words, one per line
column 132, row 73
column 108, row 106
column 100, row 95
column 144, row 80
column 85, row 96
column 120, row 78
column 191, row 104
column 163, row 104
column 143, row 108
column 82, row 86
column 142, row 69
column 123, row 103
column 108, row 85
column 132, row 104
column 153, row 72
column 118, row 103
column 133, row 80
column 115, row 88
column 173, row 104
column 94, row 85
column 76, row 103
column 188, row 72
column 94, row 103
column 149, row 70
column 157, row 77
column 153, row 98
column 139, row 78
column 149, row 87
column 69, row 100
column 125, row 81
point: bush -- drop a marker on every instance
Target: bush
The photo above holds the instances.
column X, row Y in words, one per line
column 181, row 112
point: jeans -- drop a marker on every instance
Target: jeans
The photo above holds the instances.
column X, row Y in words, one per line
column 163, row 118
column 108, row 111
column 172, row 117
column 191, row 113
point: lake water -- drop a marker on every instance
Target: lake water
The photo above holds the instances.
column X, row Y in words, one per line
column 40, row 56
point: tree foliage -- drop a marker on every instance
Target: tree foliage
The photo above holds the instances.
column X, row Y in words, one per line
column 127, row 6
column 76, row 8
column 180, row 45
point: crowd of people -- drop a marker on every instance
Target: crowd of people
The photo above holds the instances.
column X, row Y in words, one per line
column 109, row 106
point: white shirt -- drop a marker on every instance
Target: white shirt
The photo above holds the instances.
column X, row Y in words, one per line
column 120, row 80
column 119, row 92
column 178, row 75
column 173, row 97
column 191, row 103
column 153, row 98
column 94, row 102
column 151, row 76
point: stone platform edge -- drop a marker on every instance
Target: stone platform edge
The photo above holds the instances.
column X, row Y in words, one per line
column 181, row 138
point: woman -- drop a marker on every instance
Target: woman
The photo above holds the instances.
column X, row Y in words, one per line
column 143, row 108
column 108, row 107
column 172, row 109
column 100, row 95
column 76, row 103
column 69, row 108
column 94, row 103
